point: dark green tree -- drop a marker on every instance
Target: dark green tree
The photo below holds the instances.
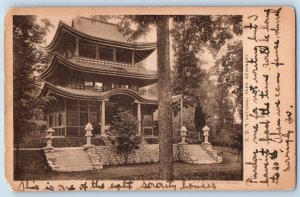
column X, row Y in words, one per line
column 28, row 60
column 230, row 89
column 199, row 118
column 230, row 73
column 126, row 126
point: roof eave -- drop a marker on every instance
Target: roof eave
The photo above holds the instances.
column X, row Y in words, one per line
column 79, row 67
column 62, row 26
column 101, row 97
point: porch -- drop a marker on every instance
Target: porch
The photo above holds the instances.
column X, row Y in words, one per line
column 67, row 116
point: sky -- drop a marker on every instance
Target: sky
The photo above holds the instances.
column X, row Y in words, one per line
column 150, row 62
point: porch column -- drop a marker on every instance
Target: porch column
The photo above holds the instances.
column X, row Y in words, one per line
column 132, row 58
column 97, row 51
column 181, row 112
column 114, row 54
column 65, row 115
column 103, row 119
column 139, row 119
column 77, row 47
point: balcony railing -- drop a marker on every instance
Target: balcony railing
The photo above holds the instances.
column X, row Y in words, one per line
column 105, row 62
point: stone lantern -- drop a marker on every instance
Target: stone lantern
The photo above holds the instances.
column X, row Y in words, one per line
column 206, row 134
column 183, row 134
column 88, row 134
column 49, row 138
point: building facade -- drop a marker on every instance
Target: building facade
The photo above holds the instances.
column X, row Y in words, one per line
column 94, row 71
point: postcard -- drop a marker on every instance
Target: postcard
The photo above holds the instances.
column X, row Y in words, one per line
column 150, row 98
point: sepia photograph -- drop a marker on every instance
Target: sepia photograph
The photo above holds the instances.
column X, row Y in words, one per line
column 149, row 98
column 119, row 97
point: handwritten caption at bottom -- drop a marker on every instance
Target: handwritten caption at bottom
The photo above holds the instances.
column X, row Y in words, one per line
column 94, row 185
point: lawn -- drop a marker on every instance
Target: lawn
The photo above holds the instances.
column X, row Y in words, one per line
column 34, row 167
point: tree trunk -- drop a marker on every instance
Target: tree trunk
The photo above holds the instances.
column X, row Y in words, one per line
column 164, row 99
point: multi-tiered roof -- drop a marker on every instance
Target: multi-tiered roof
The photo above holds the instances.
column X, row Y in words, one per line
column 93, row 51
column 90, row 51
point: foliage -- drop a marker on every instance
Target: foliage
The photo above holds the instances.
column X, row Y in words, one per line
column 136, row 26
column 28, row 60
column 126, row 126
column 232, row 137
column 226, row 93
column 133, row 26
column 230, row 72
column 199, row 118
column 191, row 34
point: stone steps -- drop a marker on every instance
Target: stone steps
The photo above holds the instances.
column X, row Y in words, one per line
column 69, row 162
column 74, row 168
column 198, row 155
column 196, row 152
column 76, row 159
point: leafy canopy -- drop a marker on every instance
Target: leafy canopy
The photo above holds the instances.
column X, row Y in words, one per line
column 191, row 34
column 28, row 60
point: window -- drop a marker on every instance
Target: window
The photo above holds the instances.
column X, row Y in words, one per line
column 50, row 121
column 148, row 131
column 79, row 86
column 54, row 120
column 93, row 118
column 72, row 131
column 134, row 87
column 114, row 86
column 124, row 55
column 83, row 119
column 59, row 131
column 88, row 85
column 124, row 86
column 147, row 121
column 94, row 106
column 143, row 92
column 72, row 105
column 72, row 119
column 83, row 106
column 98, row 86
column 105, row 53
column 87, row 50
column 60, row 119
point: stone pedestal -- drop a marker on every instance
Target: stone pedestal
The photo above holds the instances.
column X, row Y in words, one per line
column 88, row 129
column 49, row 150
column 183, row 133
column 49, row 137
column 206, row 134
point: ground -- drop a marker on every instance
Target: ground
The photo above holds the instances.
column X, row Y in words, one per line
column 35, row 168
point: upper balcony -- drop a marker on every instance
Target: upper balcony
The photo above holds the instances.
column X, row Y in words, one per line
column 106, row 62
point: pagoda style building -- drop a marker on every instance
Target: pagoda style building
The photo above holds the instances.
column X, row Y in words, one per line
column 94, row 71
